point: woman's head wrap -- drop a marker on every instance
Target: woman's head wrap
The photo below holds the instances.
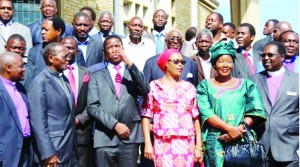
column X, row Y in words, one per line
column 220, row 49
column 164, row 57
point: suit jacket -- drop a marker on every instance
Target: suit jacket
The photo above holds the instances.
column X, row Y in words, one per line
column 35, row 57
column 84, row 129
column 260, row 44
column 16, row 28
column 30, row 73
column 98, row 36
column 281, row 132
column 241, row 68
column 260, row 67
column 36, row 31
column 189, row 73
column 213, row 72
column 52, row 118
column 107, row 109
column 94, row 53
column 11, row 140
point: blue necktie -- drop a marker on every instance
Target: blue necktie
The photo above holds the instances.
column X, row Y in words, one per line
column 159, row 45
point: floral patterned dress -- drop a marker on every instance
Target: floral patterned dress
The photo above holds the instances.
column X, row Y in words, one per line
column 173, row 112
column 231, row 104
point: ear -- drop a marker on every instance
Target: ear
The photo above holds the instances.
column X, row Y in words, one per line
column 8, row 68
column 59, row 32
column 5, row 48
column 252, row 37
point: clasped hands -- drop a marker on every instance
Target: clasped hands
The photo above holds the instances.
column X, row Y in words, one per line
column 233, row 133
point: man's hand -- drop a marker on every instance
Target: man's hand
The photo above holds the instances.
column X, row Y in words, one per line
column 52, row 161
column 77, row 122
column 122, row 130
column 125, row 58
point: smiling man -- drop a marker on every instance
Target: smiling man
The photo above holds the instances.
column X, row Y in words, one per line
column 246, row 57
column 279, row 90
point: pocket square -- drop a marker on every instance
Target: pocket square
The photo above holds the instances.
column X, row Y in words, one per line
column 189, row 75
column 86, row 78
column 291, row 93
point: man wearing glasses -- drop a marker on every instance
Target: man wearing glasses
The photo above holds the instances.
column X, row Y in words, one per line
column 279, row 90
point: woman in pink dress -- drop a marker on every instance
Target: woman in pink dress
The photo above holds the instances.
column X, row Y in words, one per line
column 172, row 105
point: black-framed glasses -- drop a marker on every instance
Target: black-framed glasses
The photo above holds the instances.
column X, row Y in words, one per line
column 268, row 54
column 177, row 61
column 179, row 39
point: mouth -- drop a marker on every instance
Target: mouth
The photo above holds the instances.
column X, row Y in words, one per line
column 225, row 70
column 175, row 46
column 179, row 70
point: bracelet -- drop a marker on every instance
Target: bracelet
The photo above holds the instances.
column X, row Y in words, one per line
column 198, row 148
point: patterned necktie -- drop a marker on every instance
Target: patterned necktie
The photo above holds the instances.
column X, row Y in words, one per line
column 159, row 46
column 246, row 55
column 118, row 80
column 71, row 79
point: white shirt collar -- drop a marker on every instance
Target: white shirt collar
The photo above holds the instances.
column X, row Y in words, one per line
column 276, row 73
column 163, row 32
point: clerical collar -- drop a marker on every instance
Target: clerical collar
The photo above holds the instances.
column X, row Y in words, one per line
column 291, row 60
column 55, row 73
column 276, row 73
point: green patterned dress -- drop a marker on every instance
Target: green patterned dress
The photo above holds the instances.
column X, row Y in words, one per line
column 231, row 105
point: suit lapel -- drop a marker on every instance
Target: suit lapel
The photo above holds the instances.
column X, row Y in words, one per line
column 58, row 89
column 263, row 81
column 108, row 79
column 90, row 47
column 80, row 79
column 126, row 76
column 243, row 63
column 200, row 70
column 11, row 106
column 256, row 58
column 282, row 88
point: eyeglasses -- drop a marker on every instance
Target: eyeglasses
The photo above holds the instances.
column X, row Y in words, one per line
column 179, row 39
column 268, row 54
column 177, row 61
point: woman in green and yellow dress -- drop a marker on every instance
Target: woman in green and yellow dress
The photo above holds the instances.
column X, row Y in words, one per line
column 224, row 103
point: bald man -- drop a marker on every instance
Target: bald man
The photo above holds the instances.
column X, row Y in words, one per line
column 280, row 28
column 15, row 129
column 135, row 44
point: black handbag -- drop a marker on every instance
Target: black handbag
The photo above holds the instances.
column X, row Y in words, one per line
column 245, row 154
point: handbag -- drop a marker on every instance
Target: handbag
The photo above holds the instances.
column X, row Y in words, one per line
column 245, row 154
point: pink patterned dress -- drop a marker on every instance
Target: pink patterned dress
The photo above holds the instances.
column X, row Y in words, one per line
column 173, row 112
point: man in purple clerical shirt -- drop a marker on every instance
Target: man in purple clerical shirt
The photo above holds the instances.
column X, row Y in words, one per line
column 290, row 40
column 15, row 131
column 279, row 90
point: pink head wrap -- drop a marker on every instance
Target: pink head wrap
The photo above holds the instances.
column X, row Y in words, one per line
column 164, row 56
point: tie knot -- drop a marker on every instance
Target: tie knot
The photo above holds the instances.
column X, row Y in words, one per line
column 246, row 54
column 159, row 35
column 117, row 67
column 105, row 35
column 70, row 68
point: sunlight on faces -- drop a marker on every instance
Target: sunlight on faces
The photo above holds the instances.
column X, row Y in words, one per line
column 49, row 34
column 224, row 65
column 112, row 51
column 271, row 59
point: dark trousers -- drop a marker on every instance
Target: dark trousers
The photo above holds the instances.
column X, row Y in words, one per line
column 26, row 157
column 122, row 155
column 86, row 155
column 271, row 162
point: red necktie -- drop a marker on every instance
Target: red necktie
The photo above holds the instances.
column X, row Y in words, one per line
column 246, row 54
column 71, row 79
column 118, row 80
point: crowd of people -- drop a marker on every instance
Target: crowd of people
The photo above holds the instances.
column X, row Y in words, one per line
column 75, row 95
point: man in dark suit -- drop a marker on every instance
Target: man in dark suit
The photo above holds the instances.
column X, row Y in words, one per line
column 15, row 142
column 268, row 31
column 16, row 43
column 52, row 111
column 204, row 42
column 91, row 48
column 48, row 10
column 50, row 34
column 112, row 102
column 78, row 77
column 246, row 57
column 105, row 23
column 173, row 41
column 279, row 89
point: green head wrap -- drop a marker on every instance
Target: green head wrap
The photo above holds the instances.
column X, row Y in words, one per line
column 220, row 49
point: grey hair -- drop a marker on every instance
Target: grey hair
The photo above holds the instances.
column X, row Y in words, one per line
column 7, row 58
column 205, row 32
column 54, row 3
column 108, row 13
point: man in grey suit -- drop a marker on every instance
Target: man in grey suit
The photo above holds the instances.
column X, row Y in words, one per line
column 48, row 10
column 15, row 140
column 268, row 31
column 79, row 88
column 9, row 27
column 173, row 41
column 52, row 111
column 279, row 89
column 91, row 48
column 246, row 57
column 112, row 102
